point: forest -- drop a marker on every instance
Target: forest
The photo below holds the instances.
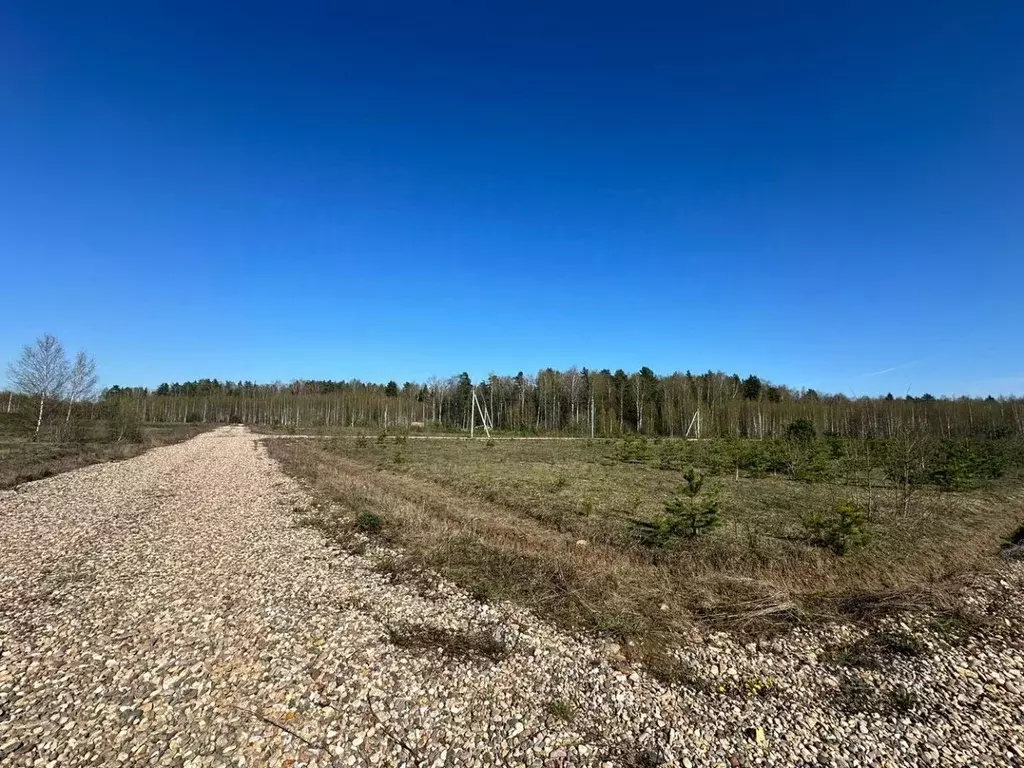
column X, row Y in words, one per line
column 575, row 402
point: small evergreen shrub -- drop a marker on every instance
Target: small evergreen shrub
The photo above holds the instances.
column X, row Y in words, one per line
column 633, row 449
column 753, row 458
column 801, row 431
column 687, row 514
column 669, row 457
column 960, row 465
column 812, row 466
column 841, row 531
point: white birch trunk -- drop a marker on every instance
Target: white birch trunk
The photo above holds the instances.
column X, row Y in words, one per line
column 39, row 421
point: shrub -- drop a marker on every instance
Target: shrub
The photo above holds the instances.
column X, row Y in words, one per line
column 693, row 481
column 960, row 465
column 812, row 466
column 670, row 457
column 753, row 458
column 124, row 424
column 687, row 514
column 836, row 446
column 369, row 522
column 633, row 450
column 907, row 457
column 77, row 431
column 801, row 431
column 778, row 456
column 714, row 456
column 841, row 531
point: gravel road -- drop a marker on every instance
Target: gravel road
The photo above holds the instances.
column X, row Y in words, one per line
column 166, row 610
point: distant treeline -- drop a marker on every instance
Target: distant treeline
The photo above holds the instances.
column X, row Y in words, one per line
column 573, row 402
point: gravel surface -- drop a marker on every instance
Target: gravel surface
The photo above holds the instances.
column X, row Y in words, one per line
column 166, row 610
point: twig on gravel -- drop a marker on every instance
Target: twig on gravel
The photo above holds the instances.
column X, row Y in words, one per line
column 391, row 734
column 285, row 728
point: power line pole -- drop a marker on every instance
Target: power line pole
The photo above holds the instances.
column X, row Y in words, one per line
column 485, row 418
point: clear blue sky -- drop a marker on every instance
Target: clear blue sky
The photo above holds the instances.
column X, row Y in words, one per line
column 813, row 192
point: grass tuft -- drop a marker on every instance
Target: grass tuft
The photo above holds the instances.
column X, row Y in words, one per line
column 561, row 709
column 476, row 644
column 876, row 650
column 369, row 522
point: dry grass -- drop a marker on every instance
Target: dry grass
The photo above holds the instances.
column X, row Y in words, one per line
column 455, row 644
column 23, row 459
column 876, row 650
column 553, row 525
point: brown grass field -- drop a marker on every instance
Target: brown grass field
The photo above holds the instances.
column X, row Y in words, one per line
column 558, row 526
column 23, row 459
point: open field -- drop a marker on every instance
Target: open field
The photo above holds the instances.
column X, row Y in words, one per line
column 196, row 606
column 571, row 528
column 23, row 459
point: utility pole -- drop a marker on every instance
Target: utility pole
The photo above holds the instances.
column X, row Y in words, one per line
column 477, row 407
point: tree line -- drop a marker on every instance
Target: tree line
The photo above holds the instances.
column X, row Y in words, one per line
column 573, row 402
column 576, row 402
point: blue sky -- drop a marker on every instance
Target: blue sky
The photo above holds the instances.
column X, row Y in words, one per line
column 827, row 195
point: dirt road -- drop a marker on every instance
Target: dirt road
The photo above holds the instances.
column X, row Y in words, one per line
column 166, row 610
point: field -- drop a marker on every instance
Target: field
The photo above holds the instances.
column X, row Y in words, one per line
column 23, row 459
column 578, row 530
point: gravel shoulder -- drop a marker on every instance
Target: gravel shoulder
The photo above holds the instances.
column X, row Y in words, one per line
column 166, row 610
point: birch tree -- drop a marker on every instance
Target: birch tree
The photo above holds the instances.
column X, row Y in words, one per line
column 81, row 381
column 42, row 371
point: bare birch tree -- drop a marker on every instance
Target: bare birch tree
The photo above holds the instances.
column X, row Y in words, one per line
column 42, row 371
column 81, row 381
